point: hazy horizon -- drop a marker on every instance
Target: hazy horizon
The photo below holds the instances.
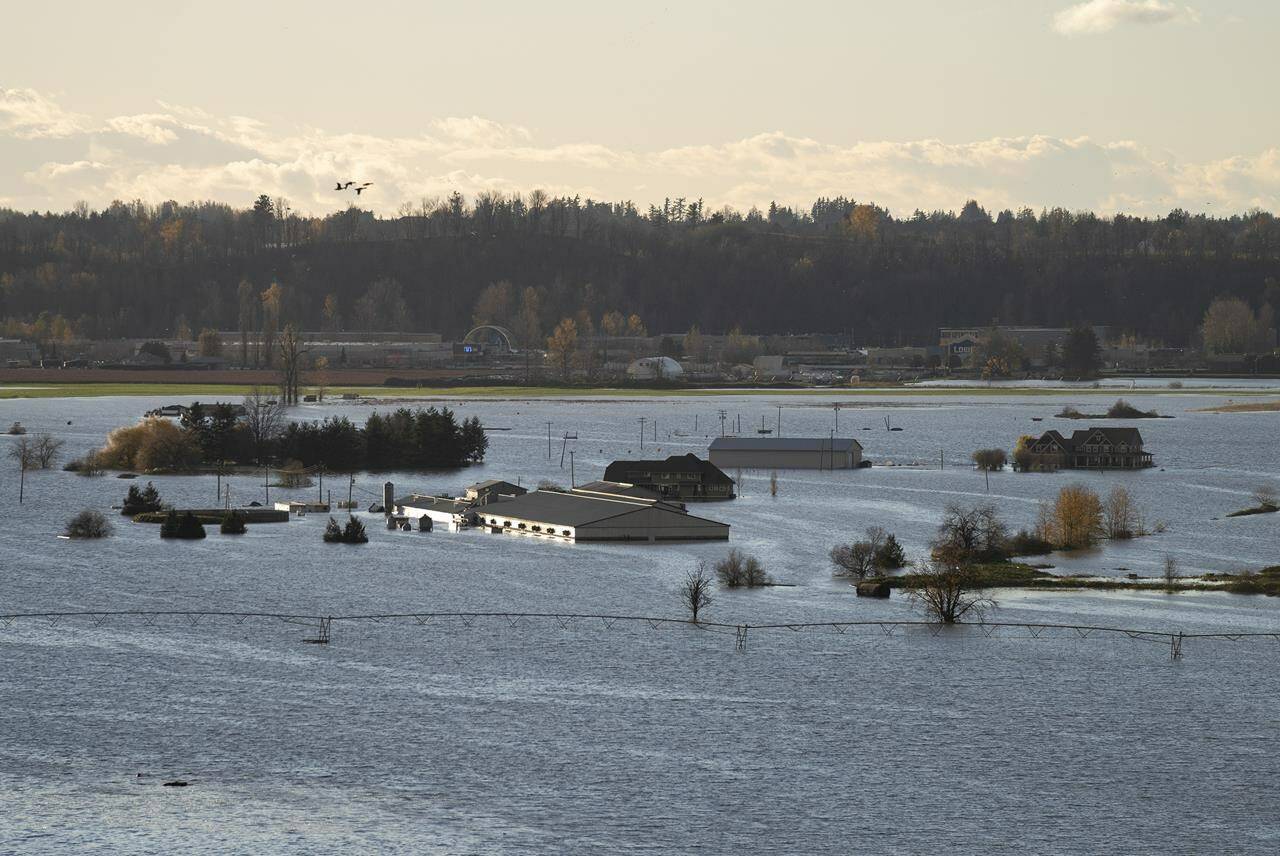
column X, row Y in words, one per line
column 1133, row 106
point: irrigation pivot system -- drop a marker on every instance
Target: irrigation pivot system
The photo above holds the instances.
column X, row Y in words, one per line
column 322, row 625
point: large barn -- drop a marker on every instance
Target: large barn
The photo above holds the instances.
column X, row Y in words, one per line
column 597, row 516
column 786, row 453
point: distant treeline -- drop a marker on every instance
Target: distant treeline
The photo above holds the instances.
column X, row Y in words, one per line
column 210, row 436
column 139, row 270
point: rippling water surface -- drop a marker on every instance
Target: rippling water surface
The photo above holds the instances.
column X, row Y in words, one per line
column 494, row 738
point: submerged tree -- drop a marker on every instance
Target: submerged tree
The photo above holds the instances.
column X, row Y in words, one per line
column 695, row 591
column 948, row 592
column 89, row 524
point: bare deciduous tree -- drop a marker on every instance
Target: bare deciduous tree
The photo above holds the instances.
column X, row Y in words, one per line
column 855, row 560
column 948, row 593
column 1265, row 496
column 1121, row 516
column 291, row 352
column 974, row 534
column 264, row 419
column 695, row 591
column 45, row 451
column 1170, row 573
column 741, row 569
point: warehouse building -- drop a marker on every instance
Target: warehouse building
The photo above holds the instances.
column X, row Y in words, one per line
column 786, row 453
column 598, row 516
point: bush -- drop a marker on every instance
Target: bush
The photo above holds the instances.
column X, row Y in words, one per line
column 152, row 444
column 186, row 526
column 1027, row 543
column 233, row 524
column 138, row 501
column 741, row 570
column 1124, row 410
column 352, row 533
column 89, row 524
column 89, row 465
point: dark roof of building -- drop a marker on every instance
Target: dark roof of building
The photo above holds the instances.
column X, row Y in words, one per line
column 1130, row 437
column 619, row 471
column 576, row 509
column 613, row 488
column 488, row 483
column 784, row 444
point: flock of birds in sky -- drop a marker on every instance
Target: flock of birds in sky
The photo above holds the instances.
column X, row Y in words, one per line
column 344, row 185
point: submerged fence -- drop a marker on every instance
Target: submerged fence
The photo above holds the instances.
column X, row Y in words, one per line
column 322, row 625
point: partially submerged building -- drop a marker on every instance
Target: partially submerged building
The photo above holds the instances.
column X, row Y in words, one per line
column 595, row 515
column 1087, row 449
column 492, row 490
column 686, row 478
column 786, row 453
column 444, row 512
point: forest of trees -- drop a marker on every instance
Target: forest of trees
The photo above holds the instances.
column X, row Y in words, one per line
column 141, row 270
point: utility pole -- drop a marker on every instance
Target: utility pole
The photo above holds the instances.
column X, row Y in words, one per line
column 573, row 481
column 836, row 408
column 723, row 414
column 548, row 441
column 320, row 492
column 266, row 485
column 779, row 420
column 351, row 485
column 642, row 421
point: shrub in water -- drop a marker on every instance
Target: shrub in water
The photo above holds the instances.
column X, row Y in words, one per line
column 332, row 532
column 88, row 524
column 137, row 501
column 233, row 524
column 354, row 532
column 186, row 526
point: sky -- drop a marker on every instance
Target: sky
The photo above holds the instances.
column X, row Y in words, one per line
column 1135, row 106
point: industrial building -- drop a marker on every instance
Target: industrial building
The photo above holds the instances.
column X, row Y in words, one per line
column 687, row 478
column 786, row 453
column 598, row 515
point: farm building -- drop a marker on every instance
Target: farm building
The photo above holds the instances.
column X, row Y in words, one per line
column 579, row 515
column 684, row 477
column 786, row 453
column 492, row 490
column 443, row 512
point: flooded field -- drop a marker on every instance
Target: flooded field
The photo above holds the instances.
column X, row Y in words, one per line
column 503, row 738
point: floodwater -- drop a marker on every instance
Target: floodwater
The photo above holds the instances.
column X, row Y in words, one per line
column 496, row 738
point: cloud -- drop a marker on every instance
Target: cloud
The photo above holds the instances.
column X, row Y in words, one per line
column 1100, row 16
column 54, row 157
column 26, row 114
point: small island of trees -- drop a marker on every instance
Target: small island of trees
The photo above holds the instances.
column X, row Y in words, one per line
column 221, row 435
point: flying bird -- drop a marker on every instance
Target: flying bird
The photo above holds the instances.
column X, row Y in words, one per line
column 363, row 186
column 340, row 186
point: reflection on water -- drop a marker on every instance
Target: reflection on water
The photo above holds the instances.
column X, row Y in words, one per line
column 516, row 740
